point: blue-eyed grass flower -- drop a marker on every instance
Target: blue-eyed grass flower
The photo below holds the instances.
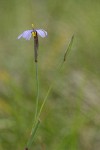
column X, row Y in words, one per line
column 34, row 32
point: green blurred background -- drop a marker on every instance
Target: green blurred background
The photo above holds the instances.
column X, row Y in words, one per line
column 71, row 117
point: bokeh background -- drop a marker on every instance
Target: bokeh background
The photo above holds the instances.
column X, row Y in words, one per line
column 71, row 117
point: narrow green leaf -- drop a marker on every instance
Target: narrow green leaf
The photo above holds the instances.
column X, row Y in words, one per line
column 31, row 139
column 58, row 69
column 69, row 48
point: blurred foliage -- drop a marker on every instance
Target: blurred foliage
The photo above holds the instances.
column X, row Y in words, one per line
column 71, row 118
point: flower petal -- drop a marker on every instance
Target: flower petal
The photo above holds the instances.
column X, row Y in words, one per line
column 26, row 34
column 41, row 32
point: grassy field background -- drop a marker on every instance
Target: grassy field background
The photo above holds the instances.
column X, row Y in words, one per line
column 71, row 117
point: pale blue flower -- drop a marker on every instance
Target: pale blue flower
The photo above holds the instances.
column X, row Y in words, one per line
column 28, row 33
column 34, row 32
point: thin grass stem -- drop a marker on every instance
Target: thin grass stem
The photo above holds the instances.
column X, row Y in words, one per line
column 30, row 141
column 37, row 85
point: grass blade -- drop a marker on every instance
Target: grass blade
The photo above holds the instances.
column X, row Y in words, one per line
column 33, row 132
column 69, row 48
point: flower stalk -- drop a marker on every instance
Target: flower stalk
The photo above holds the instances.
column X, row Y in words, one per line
column 27, row 35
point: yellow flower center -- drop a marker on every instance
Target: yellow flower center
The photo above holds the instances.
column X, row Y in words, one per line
column 34, row 34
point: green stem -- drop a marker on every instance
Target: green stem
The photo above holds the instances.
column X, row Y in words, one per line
column 37, row 85
column 36, row 122
column 33, row 132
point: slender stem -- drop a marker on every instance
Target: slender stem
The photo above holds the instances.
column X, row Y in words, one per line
column 37, row 85
column 44, row 101
column 36, row 122
column 30, row 141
